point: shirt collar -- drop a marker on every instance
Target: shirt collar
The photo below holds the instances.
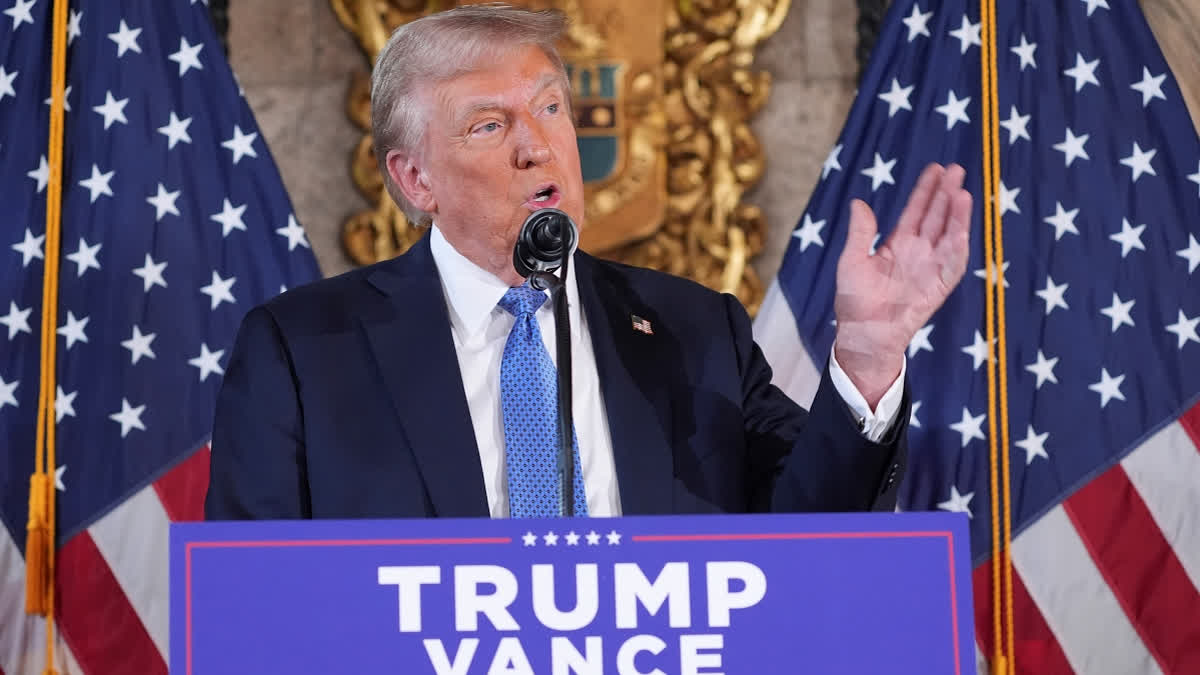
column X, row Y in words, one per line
column 472, row 293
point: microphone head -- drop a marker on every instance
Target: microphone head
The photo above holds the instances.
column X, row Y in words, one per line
column 544, row 238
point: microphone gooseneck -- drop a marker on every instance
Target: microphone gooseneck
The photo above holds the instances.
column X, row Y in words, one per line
column 543, row 246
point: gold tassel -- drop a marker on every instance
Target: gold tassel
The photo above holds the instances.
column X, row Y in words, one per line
column 37, row 547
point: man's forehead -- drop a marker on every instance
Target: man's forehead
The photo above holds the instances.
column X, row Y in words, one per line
column 474, row 90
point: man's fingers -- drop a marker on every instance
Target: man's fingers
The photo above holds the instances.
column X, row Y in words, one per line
column 960, row 211
column 933, row 224
column 953, row 248
column 918, row 202
column 861, row 231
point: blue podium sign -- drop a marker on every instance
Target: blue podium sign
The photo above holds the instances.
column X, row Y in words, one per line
column 831, row 593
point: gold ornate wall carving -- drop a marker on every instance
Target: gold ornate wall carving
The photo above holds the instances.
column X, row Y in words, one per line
column 687, row 155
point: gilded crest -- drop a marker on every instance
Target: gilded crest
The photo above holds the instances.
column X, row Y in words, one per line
column 663, row 95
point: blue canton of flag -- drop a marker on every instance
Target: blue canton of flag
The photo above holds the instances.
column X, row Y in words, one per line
column 1101, row 269
column 175, row 223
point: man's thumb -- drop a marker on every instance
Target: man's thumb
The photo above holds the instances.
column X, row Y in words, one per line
column 862, row 229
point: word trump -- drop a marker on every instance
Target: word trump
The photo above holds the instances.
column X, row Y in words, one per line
column 489, row 593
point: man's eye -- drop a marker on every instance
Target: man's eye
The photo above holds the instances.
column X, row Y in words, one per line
column 552, row 108
column 488, row 128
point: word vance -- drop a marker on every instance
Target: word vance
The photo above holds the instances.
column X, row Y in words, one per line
column 490, row 592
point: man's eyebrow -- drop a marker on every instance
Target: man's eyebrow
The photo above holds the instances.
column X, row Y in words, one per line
column 492, row 105
column 476, row 108
column 545, row 81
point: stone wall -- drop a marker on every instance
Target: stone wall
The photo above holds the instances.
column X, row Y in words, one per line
column 294, row 61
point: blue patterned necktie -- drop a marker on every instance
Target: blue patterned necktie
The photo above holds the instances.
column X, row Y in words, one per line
column 529, row 400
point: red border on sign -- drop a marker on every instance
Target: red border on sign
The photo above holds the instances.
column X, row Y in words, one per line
column 285, row 543
column 948, row 535
column 649, row 538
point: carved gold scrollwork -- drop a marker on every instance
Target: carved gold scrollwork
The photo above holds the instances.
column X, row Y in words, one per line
column 699, row 127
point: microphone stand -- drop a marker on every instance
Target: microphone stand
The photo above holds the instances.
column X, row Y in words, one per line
column 566, row 424
column 545, row 233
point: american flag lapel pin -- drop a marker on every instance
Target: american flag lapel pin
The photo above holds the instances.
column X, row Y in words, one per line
column 640, row 324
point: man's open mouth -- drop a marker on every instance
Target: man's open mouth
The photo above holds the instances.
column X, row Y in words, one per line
column 546, row 196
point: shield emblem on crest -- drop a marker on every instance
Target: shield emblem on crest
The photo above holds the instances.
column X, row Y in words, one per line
column 615, row 62
column 597, row 114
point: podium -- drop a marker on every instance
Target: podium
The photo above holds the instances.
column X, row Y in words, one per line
column 662, row 595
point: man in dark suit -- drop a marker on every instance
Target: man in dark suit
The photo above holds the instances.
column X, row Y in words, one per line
column 418, row 386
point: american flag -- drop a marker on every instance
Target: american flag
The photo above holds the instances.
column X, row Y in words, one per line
column 1100, row 194
column 642, row 325
column 175, row 223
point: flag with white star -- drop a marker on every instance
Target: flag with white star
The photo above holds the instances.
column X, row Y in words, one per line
column 175, row 222
column 1100, row 196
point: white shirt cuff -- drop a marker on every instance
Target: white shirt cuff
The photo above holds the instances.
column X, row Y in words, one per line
column 874, row 425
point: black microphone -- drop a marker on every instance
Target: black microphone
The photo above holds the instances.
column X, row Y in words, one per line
column 544, row 245
column 545, row 240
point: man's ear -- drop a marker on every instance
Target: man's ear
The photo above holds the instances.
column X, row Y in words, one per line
column 413, row 182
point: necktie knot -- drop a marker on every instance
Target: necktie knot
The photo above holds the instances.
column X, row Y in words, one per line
column 522, row 300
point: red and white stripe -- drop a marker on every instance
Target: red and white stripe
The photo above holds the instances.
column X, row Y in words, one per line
column 112, row 585
column 1106, row 582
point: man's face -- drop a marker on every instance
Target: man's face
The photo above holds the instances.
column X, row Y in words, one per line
column 499, row 144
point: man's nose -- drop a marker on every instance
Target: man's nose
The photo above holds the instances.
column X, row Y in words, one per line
column 533, row 148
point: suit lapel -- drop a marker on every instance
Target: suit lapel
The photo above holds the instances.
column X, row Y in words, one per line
column 413, row 345
column 633, row 386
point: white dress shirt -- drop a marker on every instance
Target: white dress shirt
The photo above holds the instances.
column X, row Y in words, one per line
column 480, row 329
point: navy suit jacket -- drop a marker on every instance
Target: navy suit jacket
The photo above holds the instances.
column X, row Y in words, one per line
column 343, row 399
